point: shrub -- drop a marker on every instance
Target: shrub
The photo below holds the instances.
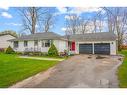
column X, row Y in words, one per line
column 19, row 53
column 124, row 47
column 53, row 51
column 9, row 50
column 2, row 49
column 34, row 53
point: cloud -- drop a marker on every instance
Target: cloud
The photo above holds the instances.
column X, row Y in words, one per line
column 67, row 17
column 78, row 10
column 88, row 9
column 4, row 7
column 63, row 29
column 62, row 9
column 71, row 17
column 6, row 15
column 11, row 24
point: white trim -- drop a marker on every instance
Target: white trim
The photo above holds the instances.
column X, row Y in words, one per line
column 93, row 47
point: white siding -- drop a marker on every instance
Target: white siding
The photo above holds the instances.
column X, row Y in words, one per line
column 60, row 45
column 4, row 43
column 112, row 46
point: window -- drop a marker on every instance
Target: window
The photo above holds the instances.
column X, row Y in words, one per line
column 43, row 43
column 47, row 43
column 25, row 43
column 36, row 43
column 15, row 44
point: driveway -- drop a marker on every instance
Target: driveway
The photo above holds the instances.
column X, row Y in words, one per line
column 81, row 71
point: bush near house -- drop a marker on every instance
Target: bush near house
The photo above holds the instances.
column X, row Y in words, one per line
column 53, row 51
column 9, row 50
column 122, row 71
column 2, row 50
column 123, row 47
column 34, row 53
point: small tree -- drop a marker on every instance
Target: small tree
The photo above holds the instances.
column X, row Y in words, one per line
column 9, row 50
column 53, row 51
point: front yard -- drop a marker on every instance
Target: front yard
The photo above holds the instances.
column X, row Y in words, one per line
column 14, row 69
column 122, row 71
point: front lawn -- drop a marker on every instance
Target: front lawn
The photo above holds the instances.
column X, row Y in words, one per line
column 14, row 69
column 122, row 71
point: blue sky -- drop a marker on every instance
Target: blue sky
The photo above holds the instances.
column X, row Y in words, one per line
column 10, row 18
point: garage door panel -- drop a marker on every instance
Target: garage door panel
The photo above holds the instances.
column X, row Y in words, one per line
column 85, row 48
column 102, row 48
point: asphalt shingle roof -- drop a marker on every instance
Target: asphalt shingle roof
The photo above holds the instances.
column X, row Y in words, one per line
column 40, row 36
column 101, row 36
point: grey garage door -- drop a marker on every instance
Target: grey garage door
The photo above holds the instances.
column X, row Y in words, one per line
column 102, row 48
column 85, row 48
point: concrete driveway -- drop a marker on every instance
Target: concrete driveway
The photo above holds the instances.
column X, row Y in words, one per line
column 81, row 71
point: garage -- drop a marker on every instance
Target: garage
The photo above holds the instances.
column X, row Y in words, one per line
column 102, row 48
column 85, row 49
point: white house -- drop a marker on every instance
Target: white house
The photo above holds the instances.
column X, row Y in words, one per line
column 39, row 42
column 89, row 43
column 4, row 43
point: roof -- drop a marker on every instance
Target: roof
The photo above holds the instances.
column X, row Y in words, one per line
column 40, row 36
column 100, row 36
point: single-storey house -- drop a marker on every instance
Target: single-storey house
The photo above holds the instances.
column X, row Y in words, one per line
column 89, row 43
column 4, row 43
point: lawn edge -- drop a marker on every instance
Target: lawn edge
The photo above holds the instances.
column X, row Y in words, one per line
column 27, row 82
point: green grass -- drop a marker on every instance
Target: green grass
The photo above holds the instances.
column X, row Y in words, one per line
column 122, row 71
column 14, row 69
column 56, row 57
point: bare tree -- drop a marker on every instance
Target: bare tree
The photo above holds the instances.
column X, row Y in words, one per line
column 73, row 23
column 48, row 21
column 95, row 24
column 100, row 21
column 30, row 17
column 83, row 23
column 117, row 20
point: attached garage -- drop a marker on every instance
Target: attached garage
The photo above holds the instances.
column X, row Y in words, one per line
column 85, row 48
column 102, row 48
column 98, row 48
column 95, row 43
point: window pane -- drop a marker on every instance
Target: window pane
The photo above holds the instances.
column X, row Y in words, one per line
column 47, row 43
column 35, row 43
column 25, row 43
column 43, row 44
column 15, row 44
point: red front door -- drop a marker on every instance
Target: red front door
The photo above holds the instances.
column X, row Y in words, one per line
column 73, row 46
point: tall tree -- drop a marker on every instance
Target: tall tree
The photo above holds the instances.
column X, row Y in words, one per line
column 31, row 17
column 48, row 20
column 84, row 24
column 72, row 23
column 117, row 20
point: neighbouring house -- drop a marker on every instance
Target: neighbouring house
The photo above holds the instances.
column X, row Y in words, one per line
column 4, row 43
column 89, row 43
